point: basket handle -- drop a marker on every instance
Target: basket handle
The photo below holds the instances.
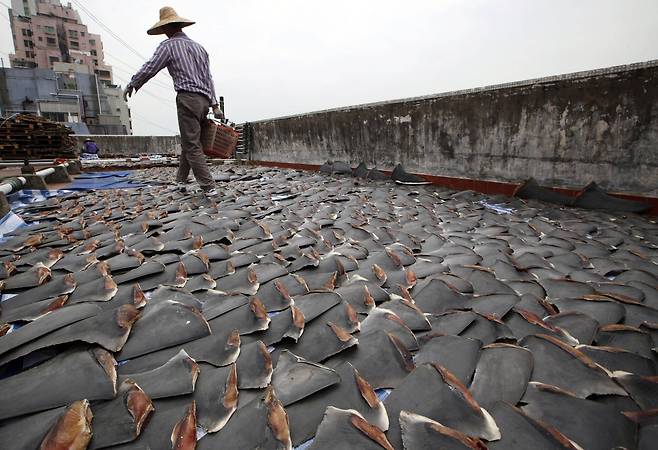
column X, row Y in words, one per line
column 223, row 121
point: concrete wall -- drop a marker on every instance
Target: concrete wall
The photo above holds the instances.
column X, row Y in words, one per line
column 125, row 146
column 564, row 131
column 22, row 89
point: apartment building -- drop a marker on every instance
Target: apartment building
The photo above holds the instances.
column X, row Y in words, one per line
column 46, row 32
column 58, row 71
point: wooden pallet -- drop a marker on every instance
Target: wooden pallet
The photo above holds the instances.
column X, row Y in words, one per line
column 28, row 136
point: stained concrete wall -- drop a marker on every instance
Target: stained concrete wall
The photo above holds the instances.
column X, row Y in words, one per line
column 125, row 146
column 564, row 131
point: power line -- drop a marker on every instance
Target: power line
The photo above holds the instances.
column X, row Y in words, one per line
column 93, row 17
column 142, row 118
column 147, row 92
column 131, row 71
column 129, row 47
column 109, row 30
column 168, row 88
column 153, row 81
column 157, row 98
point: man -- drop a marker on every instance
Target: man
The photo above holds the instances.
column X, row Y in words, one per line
column 187, row 63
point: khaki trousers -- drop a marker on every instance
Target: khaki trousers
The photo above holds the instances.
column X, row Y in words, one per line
column 192, row 110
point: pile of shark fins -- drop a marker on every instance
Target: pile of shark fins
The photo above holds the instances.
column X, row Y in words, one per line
column 589, row 197
column 296, row 308
column 592, row 196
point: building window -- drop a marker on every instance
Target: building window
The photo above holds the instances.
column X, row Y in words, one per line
column 95, row 62
column 73, row 34
column 28, row 44
column 49, row 30
column 82, row 33
column 93, row 53
column 52, row 60
column 61, row 117
column 40, row 39
column 67, row 81
column 92, row 42
column 75, row 44
column 51, row 41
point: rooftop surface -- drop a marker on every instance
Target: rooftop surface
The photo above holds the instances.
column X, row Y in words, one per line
column 301, row 307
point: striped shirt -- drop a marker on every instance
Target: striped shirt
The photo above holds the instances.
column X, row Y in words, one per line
column 187, row 63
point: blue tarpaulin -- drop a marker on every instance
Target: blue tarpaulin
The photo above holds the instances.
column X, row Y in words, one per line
column 122, row 174
column 83, row 182
column 29, row 196
column 11, row 221
column 104, row 180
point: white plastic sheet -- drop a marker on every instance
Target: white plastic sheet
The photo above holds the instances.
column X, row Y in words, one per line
column 9, row 223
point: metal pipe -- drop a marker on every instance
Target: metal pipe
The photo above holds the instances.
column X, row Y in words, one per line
column 46, row 172
column 98, row 96
column 50, row 170
column 12, row 184
column 17, row 164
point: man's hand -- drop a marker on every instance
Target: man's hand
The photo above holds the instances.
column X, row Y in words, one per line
column 219, row 115
column 128, row 92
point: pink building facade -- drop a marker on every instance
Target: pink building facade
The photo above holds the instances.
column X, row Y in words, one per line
column 46, row 32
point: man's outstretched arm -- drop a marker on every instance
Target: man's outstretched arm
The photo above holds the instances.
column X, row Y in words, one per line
column 150, row 68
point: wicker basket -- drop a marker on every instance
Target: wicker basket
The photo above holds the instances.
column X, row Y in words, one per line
column 218, row 140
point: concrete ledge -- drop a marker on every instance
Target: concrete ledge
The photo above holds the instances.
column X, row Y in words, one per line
column 4, row 205
column 130, row 146
column 75, row 167
column 34, row 182
column 61, row 175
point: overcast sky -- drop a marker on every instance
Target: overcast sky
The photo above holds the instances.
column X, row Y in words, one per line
column 272, row 58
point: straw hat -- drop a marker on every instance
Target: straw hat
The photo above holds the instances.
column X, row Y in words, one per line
column 168, row 15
